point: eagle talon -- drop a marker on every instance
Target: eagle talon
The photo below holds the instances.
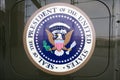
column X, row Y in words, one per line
column 50, row 49
column 69, row 49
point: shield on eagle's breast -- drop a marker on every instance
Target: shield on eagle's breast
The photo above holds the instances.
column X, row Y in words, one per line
column 59, row 44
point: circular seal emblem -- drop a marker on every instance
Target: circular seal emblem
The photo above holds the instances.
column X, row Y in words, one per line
column 59, row 38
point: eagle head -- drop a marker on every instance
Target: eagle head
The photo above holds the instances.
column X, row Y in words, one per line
column 59, row 36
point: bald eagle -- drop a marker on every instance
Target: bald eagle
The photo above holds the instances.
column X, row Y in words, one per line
column 59, row 43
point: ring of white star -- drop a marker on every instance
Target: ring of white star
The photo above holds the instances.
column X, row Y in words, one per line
column 62, row 16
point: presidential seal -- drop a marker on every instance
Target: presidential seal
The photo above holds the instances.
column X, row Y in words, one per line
column 59, row 38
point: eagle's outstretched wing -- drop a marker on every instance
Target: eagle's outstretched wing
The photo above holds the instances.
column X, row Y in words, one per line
column 50, row 37
column 68, row 37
